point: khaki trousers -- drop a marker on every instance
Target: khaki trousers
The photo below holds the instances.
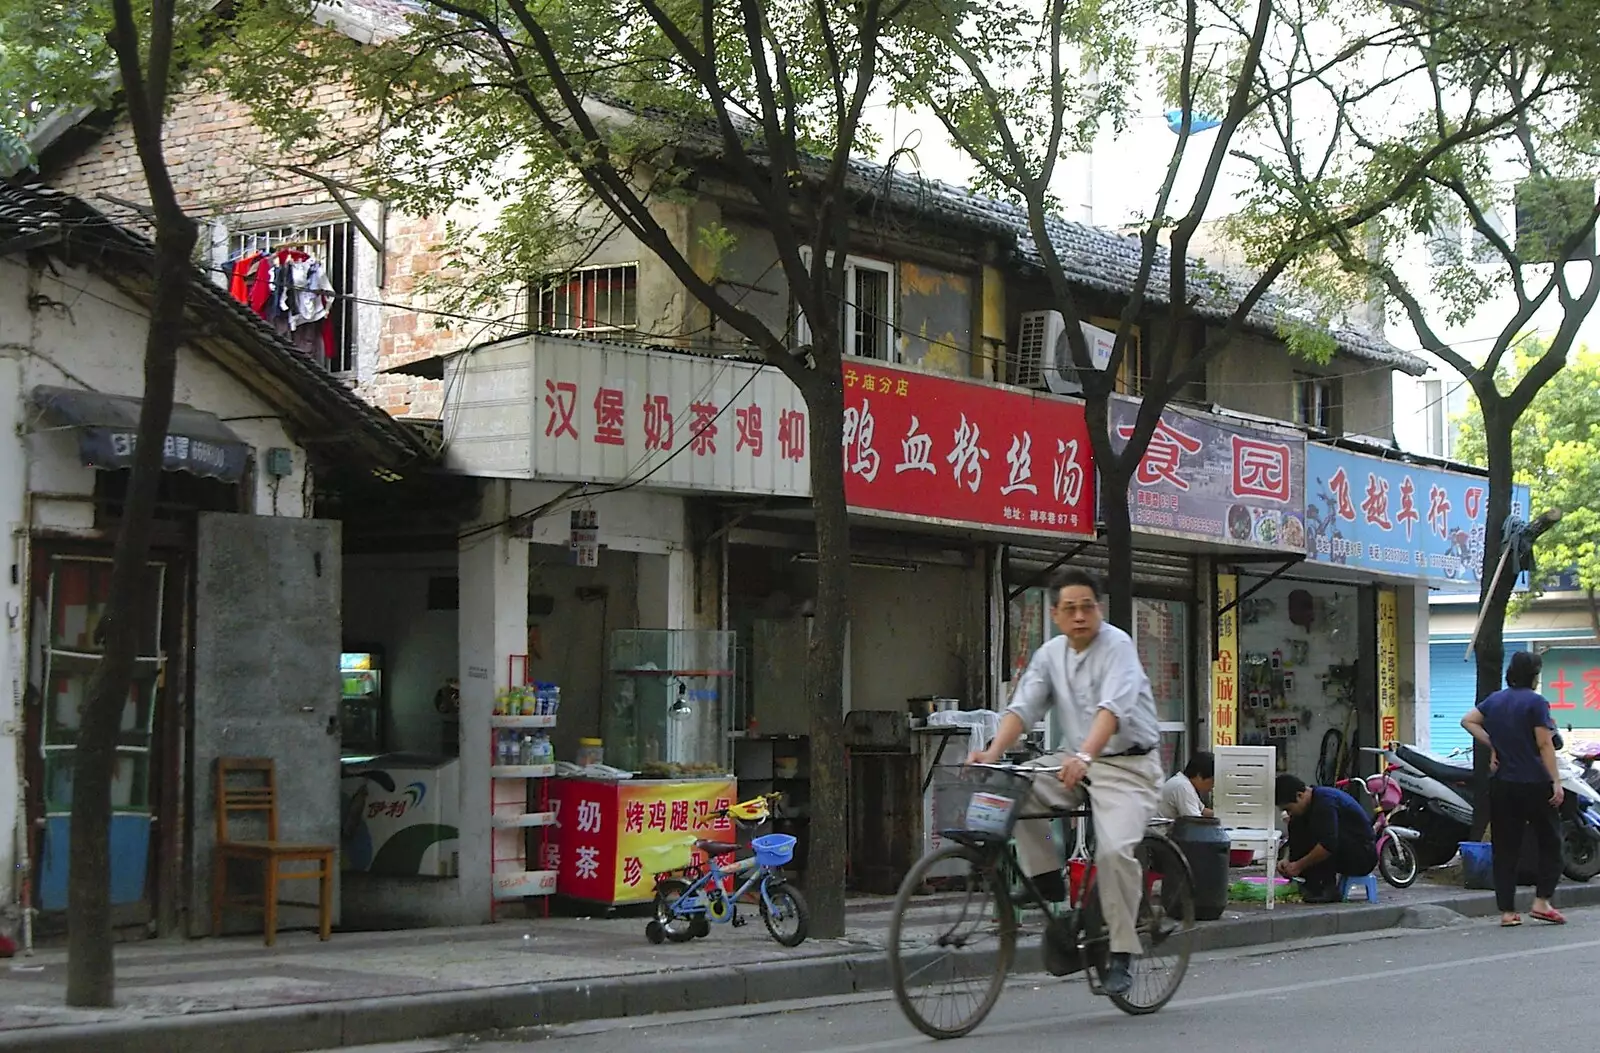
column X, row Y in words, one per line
column 1123, row 792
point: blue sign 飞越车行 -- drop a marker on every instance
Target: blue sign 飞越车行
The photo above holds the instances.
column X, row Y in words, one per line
column 1396, row 518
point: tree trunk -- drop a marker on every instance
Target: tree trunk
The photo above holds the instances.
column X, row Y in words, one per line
column 829, row 833
column 1489, row 650
column 91, row 978
column 1594, row 616
column 1117, row 518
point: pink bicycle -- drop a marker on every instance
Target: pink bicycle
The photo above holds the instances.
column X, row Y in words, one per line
column 1380, row 796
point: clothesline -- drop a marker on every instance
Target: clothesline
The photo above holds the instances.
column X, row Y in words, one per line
column 289, row 288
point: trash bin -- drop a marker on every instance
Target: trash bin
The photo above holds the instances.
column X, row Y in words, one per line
column 1204, row 843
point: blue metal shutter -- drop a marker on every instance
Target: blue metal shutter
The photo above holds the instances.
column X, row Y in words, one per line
column 1453, row 686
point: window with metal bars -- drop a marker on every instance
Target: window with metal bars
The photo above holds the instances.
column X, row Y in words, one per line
column 334, row 245
column 590, row 300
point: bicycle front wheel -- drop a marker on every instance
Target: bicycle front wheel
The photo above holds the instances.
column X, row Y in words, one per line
column 949, row 953
column 1165, row 924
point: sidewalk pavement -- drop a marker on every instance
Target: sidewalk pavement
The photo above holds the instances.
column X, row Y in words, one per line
column 197, row 996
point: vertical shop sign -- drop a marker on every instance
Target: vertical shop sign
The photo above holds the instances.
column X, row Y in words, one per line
column 586, row 860
column 660, row 822
column 586, row 537
column 1388, row 667
column 1225, row 669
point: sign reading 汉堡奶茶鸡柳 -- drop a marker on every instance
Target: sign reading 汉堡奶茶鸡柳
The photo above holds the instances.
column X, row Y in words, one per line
column 1396, row 518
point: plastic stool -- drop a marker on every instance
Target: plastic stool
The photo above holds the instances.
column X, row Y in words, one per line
column 1369, row 883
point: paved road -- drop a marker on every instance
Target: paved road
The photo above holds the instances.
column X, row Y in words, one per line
column 1467, row 987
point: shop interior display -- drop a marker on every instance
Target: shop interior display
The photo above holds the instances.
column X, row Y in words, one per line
column 521, row 763
column 1299, row 676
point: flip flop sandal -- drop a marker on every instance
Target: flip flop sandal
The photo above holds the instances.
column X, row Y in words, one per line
column 1553, row 916
column 1510, row 923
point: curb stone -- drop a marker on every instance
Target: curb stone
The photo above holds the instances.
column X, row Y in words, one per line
column 365, row 1021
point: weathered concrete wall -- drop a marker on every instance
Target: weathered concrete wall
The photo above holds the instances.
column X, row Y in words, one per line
column 82, row 333
column 935, row 319
column 266, row 684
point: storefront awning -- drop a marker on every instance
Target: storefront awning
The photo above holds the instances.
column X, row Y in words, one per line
column 108, row 428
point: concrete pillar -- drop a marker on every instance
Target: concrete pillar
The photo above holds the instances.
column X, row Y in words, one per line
column 13, row 673
column 1415, row 657
column 493, row 625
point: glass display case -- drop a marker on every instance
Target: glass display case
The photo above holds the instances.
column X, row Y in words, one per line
column 671, row 700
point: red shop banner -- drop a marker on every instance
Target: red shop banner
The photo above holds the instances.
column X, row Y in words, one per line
column 964, row 452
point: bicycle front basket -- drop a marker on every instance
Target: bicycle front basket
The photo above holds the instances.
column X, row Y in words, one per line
column 978, row 803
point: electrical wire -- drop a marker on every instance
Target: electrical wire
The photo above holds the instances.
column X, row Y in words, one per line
column 548, row 508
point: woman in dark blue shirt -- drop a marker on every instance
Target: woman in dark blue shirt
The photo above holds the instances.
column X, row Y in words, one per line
column 1524, row 785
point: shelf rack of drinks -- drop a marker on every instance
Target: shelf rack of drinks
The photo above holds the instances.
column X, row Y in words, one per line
column 520, row 809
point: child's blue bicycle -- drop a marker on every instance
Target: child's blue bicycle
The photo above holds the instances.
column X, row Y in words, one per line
column 686, row 906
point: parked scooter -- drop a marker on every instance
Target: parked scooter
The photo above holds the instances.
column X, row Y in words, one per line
column 1436, row 796
column 1435, row 801
column 1380, row 795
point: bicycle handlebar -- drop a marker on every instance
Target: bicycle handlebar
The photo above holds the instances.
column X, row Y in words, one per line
column 1018, row 769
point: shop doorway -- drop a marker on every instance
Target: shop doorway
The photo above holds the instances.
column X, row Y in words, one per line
column 1161, row 634
column 1306, row 675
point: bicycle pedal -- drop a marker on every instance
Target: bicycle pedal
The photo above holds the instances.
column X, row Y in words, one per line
column 740, row 921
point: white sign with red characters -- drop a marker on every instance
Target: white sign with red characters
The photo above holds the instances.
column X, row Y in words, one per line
column 915, row 445
column 606, row 413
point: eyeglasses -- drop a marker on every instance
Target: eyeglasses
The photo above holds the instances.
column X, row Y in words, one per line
column 1077, row 608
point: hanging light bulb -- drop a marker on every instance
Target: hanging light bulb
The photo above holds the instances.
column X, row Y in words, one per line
column 679, row 710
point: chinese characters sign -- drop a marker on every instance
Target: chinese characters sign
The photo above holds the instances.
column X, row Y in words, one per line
column 1388, row 667
column 616, row 837
column 1206, row 477
column 936, row 448
column 1570, row 680
column 1225, row 669
column 609, row 413
column 1397, row 518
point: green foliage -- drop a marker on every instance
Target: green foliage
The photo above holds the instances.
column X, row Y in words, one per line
column 1556, row 452
column 473, row 107
column 54, row 56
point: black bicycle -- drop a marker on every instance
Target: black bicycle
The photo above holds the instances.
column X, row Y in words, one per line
column 949, row 955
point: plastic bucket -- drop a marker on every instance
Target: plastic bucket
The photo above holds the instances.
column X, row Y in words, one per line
column 1477, row 864
column 774, row 850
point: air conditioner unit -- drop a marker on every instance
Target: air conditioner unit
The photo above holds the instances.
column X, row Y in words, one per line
column 1044, row 358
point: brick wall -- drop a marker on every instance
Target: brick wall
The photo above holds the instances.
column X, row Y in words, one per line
column 224, row 167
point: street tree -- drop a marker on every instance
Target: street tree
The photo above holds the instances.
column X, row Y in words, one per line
column 1555, row 451
column 1537, row 169
column 613, row 109
column 1233, row 75
column 73, row 54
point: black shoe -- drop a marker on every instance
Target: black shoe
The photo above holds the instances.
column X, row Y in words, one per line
column 1320, row 893
column 1118, row 979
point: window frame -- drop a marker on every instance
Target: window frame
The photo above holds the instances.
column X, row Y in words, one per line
column 848, row 309
column 1331, row 404
column 564, row 280
column 277, row 229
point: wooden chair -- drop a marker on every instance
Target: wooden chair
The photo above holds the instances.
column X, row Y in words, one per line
column 262, row 796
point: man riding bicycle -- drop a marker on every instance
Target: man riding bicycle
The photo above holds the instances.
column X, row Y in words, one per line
column 1092, row 676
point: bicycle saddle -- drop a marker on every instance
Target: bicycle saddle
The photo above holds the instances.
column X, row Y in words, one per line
column 716, row 848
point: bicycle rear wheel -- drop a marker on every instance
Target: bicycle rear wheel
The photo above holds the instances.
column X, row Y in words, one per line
column 1166, row 927
column 949, row 953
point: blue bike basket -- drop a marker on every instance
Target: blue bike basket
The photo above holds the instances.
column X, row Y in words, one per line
column 773, row 850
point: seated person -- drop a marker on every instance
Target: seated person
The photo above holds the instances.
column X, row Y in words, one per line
column 1330, row 836
column 1180, row 795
